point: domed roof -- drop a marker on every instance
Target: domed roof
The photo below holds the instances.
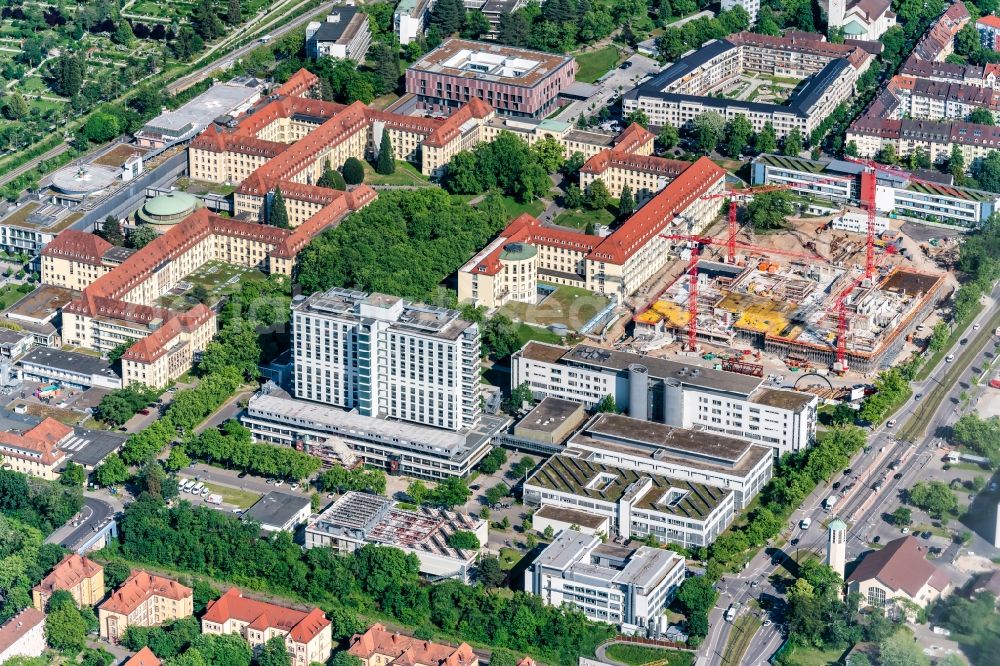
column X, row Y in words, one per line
column 170, row 205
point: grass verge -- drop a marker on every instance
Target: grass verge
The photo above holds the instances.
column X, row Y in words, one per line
column 803, row 656
column 744, row 629
column 244, row 499
column 595, row 64
column 638, row 655
column 515, row 208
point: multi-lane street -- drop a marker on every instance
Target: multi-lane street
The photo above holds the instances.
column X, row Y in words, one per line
column 861, row 506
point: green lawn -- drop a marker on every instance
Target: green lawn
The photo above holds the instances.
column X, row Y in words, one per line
column 515, row 208
column 526, row 333
column 219, row 278
column 580, row 218
column 595, row 64
column 637, row 655
column 571, row 306
column 9, row 295
column 405, row 174
column 244, row 499
column 801, row 656
column 33, row 84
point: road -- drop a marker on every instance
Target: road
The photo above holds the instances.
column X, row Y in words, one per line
column 94, row 512
column 861, row 506
column 227, row 60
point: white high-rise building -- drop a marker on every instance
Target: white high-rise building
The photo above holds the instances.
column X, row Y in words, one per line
column 752, row 7
column 386, row 357
column 836, row 547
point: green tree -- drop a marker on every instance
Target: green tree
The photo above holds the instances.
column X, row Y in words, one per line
column 637, row 117
column 332, row 179
column 354, row 171
column 738, row 133
column 345, row 658
column 708, row 128
column 386, row 163
column 956, row 162
column 277, row 214
column 520, row 395
column 573, row 197
column 843, row 414
column 769, row 210
column 766, row 140
column 73, row 475
column 793, row 142
column 550, row 154
column 499, row 336
column 234, row 13
column 934, row 497
column 385, row 61
column 887, row 154
column 111, row 472
column 607, row 404
column 598, row 197
column 123, row 34
column 65, row 628
column 901, row 516
column 140, row 236
column 982, row 116
column 100, row 127
column 939, row 336
column 493, row 461
column 919, row 159
column 476, row 24
column 463, row 540
column 851, row 149
column 274, row 653
column 668, row 137
column 901, row 649
column 111, row 231
column 447, row 16
column 626, row 203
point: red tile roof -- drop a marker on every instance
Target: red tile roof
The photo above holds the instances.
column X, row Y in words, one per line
column 143, row 657
column 77, row 246
column 633, row 162
column 326, row 217
column 299, row 82
column 633, row 138
column 408, row 651
column 527, row 229
column 650, row 220
column 452, row 126
column 901, row 565
column 157, row 343
column 990, row 21
column 70, row 572
column 141, row 586
column 301, row 626
column 40, row 443
column 17, row 627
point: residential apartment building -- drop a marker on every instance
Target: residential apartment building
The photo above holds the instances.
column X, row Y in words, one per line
column 357, row 519
column 751, row 7
column 526, row 252
column 143, row 657
column 683, row 90
column 23, row 635
column 342, row 437
column 627, row 587
column 939, row 41
column 36, row 451
column 143, row 600
column 493, row 10
column 308, row 635
column 79, row 575
column 897, row 193
column 387, row 357
column 671, row 392
column 344, row 34
column 644, row 175
column 989, row 32
column 691, row 455
column 381, row 647
column 638, row 504
column 75, row 259
column 514, row 81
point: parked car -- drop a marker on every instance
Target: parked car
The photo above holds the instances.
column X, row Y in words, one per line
column 144, row 411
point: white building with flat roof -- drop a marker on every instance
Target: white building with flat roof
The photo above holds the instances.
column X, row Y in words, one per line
column 357, row 519
column 386, row 357
column 696, row 455
column 670, row 391
column 628, row 587
column 637, row 504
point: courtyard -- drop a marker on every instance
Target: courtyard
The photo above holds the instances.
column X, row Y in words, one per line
column 209, row 284
column 571, row 307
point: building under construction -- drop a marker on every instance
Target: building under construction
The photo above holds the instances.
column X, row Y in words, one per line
column 791, row 310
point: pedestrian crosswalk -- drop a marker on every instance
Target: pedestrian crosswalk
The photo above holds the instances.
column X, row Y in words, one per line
column 75, row 444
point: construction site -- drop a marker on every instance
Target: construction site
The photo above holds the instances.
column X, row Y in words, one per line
column 808, row 296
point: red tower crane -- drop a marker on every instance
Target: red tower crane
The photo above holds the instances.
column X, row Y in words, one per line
column 693, row 300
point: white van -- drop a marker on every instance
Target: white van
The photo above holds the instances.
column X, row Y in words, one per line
column 805, row 523
column 185, row 485
column 196, row 488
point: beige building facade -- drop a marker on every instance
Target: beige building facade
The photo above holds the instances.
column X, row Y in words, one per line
column 79, row 575
column 144, row 600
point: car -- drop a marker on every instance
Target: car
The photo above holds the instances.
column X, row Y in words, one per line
column 877, row 486
column 475, row 487
column 836, row 484
column 794, row 542
column 294, row 486
column 847, row 472
column 949, row 358
column 927, row 535
column 805, row 523
column 876, row 539
column 754, row 583
column 905, row 530
column 976, row 327
column 269, row 482
column 897, row 476
column 993, row 486
column 242, row 475
column 767, row 623
column 918, row 396
column 625, row 65
column 144, row 411
column 279, row 482
column 891, row 423
column 237, row 511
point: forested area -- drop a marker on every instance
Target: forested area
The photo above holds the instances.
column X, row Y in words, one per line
column 404, row 243
column 233, row 447
column 348, row 587
column 507, row 164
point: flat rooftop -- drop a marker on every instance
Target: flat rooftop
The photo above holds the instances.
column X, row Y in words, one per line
column 550, row 414
column 571, row 516
column 698, row 449
column 276, row 508
column 577, row 554
column 584, row 478
column 42, row 305
column 74, row 362
column 608, row 359
column 782, row 399
column 375, row 519
column 196, row 115
column 488, row 61
column 325, row 418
